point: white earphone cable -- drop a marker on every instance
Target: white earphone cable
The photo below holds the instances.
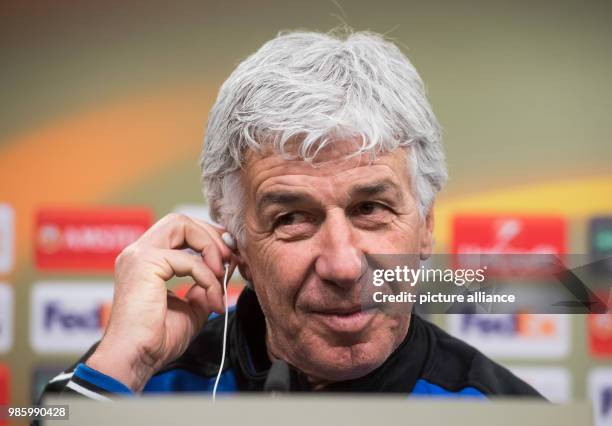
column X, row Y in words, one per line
column 214, row 392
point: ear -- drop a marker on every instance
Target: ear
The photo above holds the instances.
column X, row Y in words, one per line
column 427, row 240
column 243, row 265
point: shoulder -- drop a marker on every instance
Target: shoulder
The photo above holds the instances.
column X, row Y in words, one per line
column 457, row 367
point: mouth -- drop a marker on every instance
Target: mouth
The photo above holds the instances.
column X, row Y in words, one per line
column 346, row 321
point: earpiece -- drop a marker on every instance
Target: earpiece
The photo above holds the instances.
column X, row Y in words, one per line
column 229, row 240
column 225, row 280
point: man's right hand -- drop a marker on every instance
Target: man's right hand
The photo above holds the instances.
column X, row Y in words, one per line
column 149, row 326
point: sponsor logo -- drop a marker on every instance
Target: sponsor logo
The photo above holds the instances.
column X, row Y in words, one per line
column 477, row 239
column 6, row 317
column 552, row 382
column 514, row 335
column 600, row 391
column 86, row 239
column 600, row 244
column 599, row 328
column 68, row 318
column 7, row 238
column 5, row 384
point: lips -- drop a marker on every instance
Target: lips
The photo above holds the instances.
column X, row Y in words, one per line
column 340, row 311
column 350, row 320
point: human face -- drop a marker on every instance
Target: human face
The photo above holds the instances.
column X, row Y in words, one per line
column 308, row 229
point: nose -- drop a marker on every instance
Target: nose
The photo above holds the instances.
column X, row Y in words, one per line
column 340, row 260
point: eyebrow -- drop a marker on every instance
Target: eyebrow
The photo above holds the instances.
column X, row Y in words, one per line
column 279, row 197
column 376, row 188
column 359, row 191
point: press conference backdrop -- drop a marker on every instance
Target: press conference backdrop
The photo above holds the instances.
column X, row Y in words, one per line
column 103, row 111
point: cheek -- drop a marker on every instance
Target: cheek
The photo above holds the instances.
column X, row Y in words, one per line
column 401, row 238
column 279, row 272
column 406, row 234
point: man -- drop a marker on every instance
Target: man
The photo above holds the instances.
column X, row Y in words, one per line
column 319, row 151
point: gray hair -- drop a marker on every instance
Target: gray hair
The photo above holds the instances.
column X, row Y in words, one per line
column 316, row 88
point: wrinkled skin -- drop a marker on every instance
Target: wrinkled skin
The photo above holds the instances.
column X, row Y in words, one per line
column 307, row 230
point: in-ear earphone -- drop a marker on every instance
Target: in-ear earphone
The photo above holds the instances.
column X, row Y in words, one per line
column 225, row 279
column 229, row 240
column 231, row 243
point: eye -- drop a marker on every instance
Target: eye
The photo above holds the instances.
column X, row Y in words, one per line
column 369, row 208
column 293, row 218
column 371, row 214
column 295, row 226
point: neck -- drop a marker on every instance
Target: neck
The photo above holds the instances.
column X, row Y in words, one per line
column 315, row 383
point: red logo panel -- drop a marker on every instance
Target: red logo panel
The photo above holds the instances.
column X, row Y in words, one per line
column 509, row 234
column 600, row 335
column 5, row 386
column 86, row 239
column 498, row 238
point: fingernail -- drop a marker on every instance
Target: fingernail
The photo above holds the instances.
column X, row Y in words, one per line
column 229, row 240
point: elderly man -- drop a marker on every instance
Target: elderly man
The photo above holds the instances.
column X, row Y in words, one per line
column 319, row 151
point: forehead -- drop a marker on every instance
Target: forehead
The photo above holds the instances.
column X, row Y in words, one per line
column 331, row 165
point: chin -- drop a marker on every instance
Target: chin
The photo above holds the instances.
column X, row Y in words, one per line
column 340, row 363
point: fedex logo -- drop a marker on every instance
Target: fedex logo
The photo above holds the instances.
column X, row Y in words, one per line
column 6, row 317
column 509, row 325
column 600, row 391
column 86, row 239
column 68, row 318
column 605, row 402
column 57, row 316
column 514, row 335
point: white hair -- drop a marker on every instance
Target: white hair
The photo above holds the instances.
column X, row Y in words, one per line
column 317, row 88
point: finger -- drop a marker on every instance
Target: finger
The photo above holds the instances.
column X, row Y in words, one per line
column 198, row 300
column 216, row 234
column 214, row 254
column 184, row 264
column 177, row 231
column 196, row 318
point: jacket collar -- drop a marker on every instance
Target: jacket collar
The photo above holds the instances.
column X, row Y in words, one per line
column 399, row 372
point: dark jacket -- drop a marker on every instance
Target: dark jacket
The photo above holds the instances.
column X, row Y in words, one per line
column 428, row 362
